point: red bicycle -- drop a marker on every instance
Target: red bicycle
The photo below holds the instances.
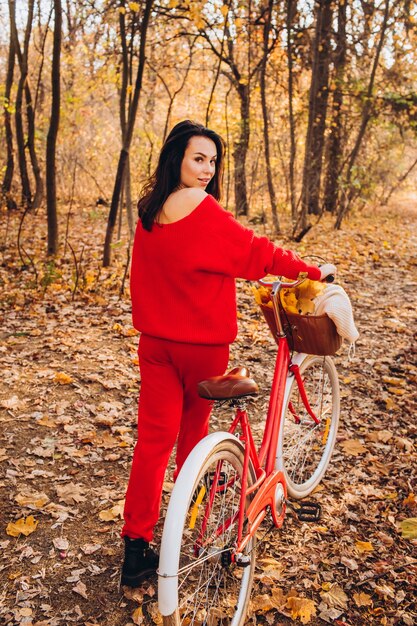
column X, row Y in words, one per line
column 227, row 486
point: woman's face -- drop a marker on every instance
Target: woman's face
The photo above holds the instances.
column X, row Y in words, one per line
column 199, row 162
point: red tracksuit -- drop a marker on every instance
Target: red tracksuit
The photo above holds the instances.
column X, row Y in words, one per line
column 184, row 303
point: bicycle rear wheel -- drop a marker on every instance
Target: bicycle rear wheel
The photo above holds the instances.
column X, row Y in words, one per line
column 304, row 447
column 210, row 588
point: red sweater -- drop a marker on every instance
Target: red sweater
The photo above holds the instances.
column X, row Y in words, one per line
column 183, row 274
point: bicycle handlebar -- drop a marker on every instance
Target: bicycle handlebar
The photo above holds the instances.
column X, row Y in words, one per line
column 265, row 283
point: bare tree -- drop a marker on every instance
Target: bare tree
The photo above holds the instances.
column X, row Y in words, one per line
column 124, row 153
column 290, row 13
column 20, row 133
column 8, row 174
column 318, row 97
column 334, row 146
column 349, row 190
column 262, row 80
column 23, row 58
column 51, row 206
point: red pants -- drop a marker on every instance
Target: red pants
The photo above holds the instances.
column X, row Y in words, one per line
column 169, row 408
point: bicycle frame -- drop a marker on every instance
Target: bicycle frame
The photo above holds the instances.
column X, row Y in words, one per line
column 263, row 461
column 270, row 485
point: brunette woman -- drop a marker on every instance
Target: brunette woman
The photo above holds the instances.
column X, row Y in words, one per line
column 187, row 253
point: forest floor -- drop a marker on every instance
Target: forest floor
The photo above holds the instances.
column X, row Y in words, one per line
column 68, row 395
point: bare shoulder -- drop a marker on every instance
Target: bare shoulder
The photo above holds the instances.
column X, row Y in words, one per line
column 181, row 203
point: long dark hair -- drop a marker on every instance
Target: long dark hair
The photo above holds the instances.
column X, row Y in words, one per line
column 167, row 174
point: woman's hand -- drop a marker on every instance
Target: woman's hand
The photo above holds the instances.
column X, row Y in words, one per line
column 328, row 269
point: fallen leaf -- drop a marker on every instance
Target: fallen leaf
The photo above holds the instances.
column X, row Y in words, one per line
column 385, row 590
column 60, row 543
column 349, row 563
column 90, row 548
column 12, row 403
column 392, row 380
column 63, row 379
column 70, row 493
column 23, row 526
column 137, row 616
column 335, row 596
column 353, row 447
column 362, row 599
column 113, row 514
column 410, row 501
column 153, row 613
column 35, row 500
column 364, row 546
column 301, row 608
column 262, row 603
column 46, row 421
column 81, row 589
column 409, row 528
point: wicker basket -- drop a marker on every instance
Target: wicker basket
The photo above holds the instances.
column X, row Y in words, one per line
column 311, row 334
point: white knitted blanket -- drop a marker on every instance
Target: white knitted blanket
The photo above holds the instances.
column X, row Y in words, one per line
column 335, row 302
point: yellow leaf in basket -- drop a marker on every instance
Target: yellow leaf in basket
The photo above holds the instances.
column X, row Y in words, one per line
column 305, row 306
column 310, row 289
column 257, row 295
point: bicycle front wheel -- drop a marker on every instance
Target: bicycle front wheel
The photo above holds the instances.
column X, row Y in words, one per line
column 304, row 446
column 209, row 587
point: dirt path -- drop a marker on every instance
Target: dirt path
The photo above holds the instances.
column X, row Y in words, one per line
column 68, row 396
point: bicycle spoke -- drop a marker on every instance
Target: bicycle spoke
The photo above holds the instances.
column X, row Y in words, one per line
column 305, row 447
column 209, row 584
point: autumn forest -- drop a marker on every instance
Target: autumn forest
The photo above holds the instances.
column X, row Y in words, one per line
column 317, row 104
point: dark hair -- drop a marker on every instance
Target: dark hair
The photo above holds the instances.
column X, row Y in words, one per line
column 167, row 174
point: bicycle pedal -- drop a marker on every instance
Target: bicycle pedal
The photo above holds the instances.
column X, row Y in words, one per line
column 308, row 512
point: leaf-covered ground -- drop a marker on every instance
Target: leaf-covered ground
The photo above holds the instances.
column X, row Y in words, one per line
column 68, row 395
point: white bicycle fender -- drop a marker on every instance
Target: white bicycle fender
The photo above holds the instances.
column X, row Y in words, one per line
column 175, row 518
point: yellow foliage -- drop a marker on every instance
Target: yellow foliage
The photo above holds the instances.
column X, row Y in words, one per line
column 364, row 546
column 301, row 608
column 294, row 300
column 63, row 379
column 409, row 528
column 410, row 500
column 23, row 526
column 113, row 514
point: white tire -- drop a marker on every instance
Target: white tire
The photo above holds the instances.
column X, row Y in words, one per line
column 197, row 583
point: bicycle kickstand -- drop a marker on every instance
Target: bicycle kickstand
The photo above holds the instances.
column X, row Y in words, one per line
column 306, row 511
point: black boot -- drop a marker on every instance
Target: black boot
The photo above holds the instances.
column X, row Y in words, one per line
column 140, row 562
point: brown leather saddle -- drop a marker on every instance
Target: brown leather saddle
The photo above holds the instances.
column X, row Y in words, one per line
column 235, row 384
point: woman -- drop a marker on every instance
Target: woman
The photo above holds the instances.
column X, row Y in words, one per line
column 186, row 256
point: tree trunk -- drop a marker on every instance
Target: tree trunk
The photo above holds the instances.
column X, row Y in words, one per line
column 349, row 193
column 20, row 133
column 51, row 204
column 8, row 175
column 334, row 147
column 271, row 189
column 23, row 58
column 128, row 138
column 241, row 151
column 291, row 8
column 310, row 193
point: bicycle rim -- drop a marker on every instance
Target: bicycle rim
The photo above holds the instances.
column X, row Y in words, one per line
column 304, row 447
column 213, row 591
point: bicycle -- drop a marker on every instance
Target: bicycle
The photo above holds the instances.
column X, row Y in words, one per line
column 226, row 486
